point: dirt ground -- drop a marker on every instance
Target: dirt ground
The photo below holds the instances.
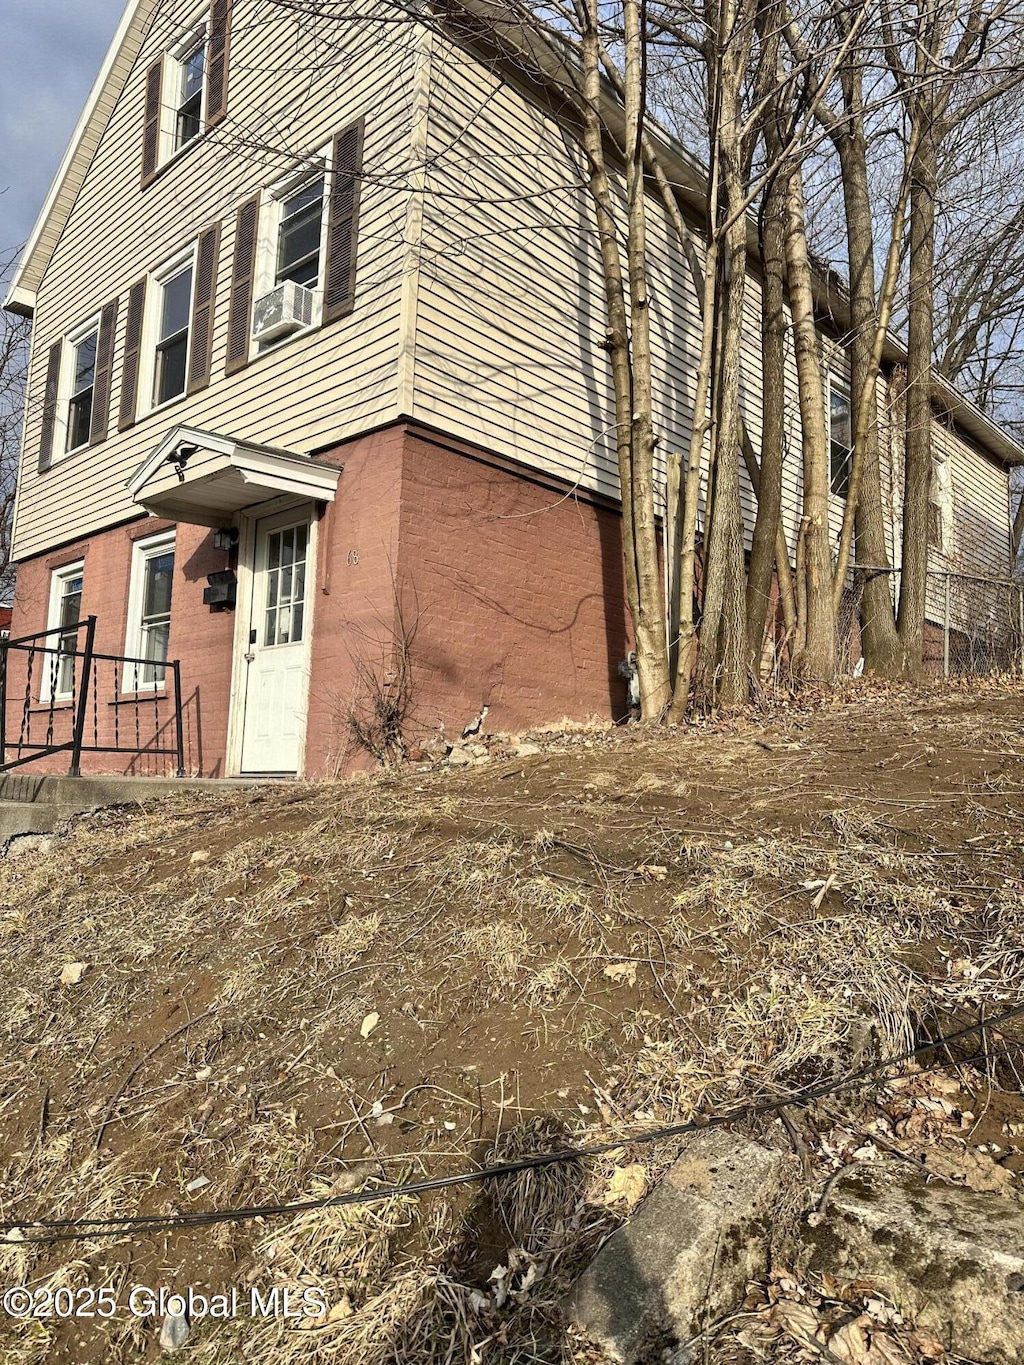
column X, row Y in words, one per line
column 249, row 999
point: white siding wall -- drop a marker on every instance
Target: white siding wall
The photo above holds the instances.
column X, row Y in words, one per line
column 317, row 389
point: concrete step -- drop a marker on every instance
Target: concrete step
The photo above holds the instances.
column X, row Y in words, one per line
column 25, row 817
column 33, row 804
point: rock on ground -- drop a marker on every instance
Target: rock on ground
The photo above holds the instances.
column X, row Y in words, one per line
column 687, row 1254
column 950, row 1258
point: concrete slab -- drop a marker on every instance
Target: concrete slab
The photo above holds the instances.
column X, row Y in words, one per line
column 686, row 1255
column 31, row 803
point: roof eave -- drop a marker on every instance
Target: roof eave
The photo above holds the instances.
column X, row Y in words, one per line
column 21, row 301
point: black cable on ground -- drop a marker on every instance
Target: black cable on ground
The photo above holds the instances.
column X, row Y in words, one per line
column 74, row 1229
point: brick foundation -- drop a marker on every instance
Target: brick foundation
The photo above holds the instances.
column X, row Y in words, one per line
column 510, row 586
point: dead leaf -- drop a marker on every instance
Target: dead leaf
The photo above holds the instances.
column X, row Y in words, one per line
column 627, row 1185
column 974, row 1169
column 369, row 1024
column 850, row 1342
column 799, row 1321
column 927, row 1346
column 886, row 1350
column 621, row 971
column 653, row 872
column 73, row 973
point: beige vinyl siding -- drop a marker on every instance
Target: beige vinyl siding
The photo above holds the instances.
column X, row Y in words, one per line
column 511, row 310
column 479, row 307
column 981, row 508
column 307, row 393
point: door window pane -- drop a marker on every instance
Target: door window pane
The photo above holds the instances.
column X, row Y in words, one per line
column 286, row 586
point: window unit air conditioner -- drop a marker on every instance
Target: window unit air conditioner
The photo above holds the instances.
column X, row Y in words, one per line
column 285, row 309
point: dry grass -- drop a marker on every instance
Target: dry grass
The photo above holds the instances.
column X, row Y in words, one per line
column 534, row 974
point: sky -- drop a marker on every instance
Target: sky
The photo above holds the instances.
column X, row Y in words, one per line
column 53, row 50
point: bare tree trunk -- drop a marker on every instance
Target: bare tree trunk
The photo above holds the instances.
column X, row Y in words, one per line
column 816, row 659
column 773, row 417
column 615, row 302
column 881, row 646
column 722, row 660
column 649, row 617
column 918, row 457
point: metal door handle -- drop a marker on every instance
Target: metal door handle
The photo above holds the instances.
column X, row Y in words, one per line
column 249, row 658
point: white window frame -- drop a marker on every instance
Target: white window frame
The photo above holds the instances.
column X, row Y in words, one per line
column 271, row 214
column 65, row 385
column 142, row 551
column 151, row 328
column 835, row 381
column 51, row 666
column 170, row 94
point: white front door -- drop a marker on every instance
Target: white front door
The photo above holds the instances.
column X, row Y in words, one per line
column 276, row 683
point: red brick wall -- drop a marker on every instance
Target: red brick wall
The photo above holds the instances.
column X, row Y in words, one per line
column 353, row 607
column 201, row 638
column 517, row 590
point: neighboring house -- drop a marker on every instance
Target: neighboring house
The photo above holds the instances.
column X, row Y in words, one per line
column 318, row 362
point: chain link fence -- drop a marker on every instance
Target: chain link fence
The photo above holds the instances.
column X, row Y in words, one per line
column 975, row 626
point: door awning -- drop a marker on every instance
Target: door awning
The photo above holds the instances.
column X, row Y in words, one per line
column 201, row 477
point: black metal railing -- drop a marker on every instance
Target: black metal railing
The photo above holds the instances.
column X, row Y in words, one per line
column 67, row 696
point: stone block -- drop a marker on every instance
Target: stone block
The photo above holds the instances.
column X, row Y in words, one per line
column 950, row 1258
column 686, row 1255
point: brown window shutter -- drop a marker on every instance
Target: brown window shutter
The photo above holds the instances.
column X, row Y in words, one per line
column 50, row 406
column 217, row 62
column 203, row 294
column 243, row 270
column 132, row 349
column 101, row 383
column 151, row 126
column 343, row 223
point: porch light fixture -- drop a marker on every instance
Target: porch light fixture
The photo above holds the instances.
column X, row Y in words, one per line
column 179, row 458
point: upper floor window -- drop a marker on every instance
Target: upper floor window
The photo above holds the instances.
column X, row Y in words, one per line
column 840, row 436
column 295, row 249
column 81, row 385
column 300, row 235
column 186, row 89
column 940, row 507
column 187, row 72
column 76, row 392
column 290, row 259
column 173, row 310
